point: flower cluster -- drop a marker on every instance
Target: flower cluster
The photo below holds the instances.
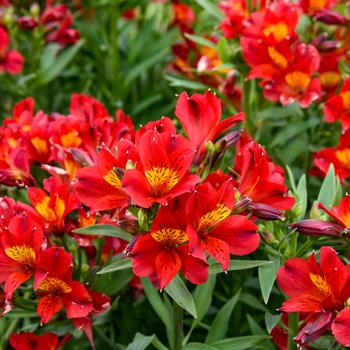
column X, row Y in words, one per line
column 100, row 170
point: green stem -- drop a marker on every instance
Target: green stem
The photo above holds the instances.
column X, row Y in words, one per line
column 293, row 330
column 10, row 329
column 178, row 327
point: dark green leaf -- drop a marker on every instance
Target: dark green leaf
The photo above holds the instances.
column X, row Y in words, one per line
column 198, row 346
column 236, row 265
column 221, row 322
column 104, row 230
column 327, row 192
column 140, row 342
column 121, row 264
column 271, row 321
column 267, row 275
column 211, row 7
column 240, row 343
column 200, row 40
column 180, row 294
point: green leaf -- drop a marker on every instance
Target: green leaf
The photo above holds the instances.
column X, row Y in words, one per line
column 291, row 179
column 338, row 192
column 48, row 72
column 224, row 50
column 156, row 302
column 198, row 346
column 271, row 321
column 187, row 84
column 48, row 55
column 200, row 40
column 211, row 7
column 140, row 342
column 236, row 265
column 240, row 343
column 252, row 301
column 144, row 65
column 121, row 264
column 104, row 230
column 254, row 326
column 177, row 290
column 327, row 191
column 203, row 296
column 221, row 322
column 267, row 275
column 302, row 194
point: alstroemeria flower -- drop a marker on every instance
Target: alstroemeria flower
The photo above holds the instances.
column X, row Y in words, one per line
column 338, row 107
column 339, row 156
column 56, row 288
column 296, row 82
column 31, row 341
column 11, row 61
column 166, row 159
column 214, row 230
column 54, row 204
column 314, row 6
column 340, row 213
column 320, row 291
column 200, row 117
column 164, row 250
column 20, row 245
column 260, row 179
column 100, row 186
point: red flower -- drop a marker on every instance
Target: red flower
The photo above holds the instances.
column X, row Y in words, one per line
column 200, row 117
column 212, row 229
column 319, row 291
column 183, row 16
column 166, row 159
column 339, row 156
column 330, row 76
column 11, row 61
column 100, row 303
column 314, row 6
column 99, row 186
column 338, row 107
column 260, row 179
column 341, row 212
column 53, row 282
column 296, row 83
column 31, row 341
column 19, row 249
column 55, row 205
column 164, row 250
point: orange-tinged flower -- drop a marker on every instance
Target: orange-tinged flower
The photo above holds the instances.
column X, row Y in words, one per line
column 31, row 341
column 319, row 291
column 20, row 245
column 164, row 250
column 53, row 282
column 166, row 159
column 338, row 107
column 54, row 204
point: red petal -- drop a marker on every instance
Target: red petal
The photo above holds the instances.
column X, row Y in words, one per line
column 219, row 250
column 341, row 327
column 78, row 303
column 167, row 265
column 48, row 306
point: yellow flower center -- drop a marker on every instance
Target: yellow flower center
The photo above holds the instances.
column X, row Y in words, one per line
column 170, row 236
column 279, row 31
column 298, row 81
column 317, row 5
column 54, row 285
column 321, row 283
column 40, row 144
column 21, row 253
column 112, row 178
column 213, row 217
column 344, row 156
column 330, row 79
column 71, row 139
column 162, row 179
column 346, row 99
column 277, row 58
column 51, row 214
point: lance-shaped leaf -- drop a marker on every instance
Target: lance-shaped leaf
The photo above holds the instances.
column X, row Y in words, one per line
column 140, row 342
column 267, row 275
column 121, row 264
column 240, row 343
column 104, row 230
column 236, row 265
column 327, row 192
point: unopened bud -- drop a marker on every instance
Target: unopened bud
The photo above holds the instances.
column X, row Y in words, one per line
column 27, row 22
column 330, row 17
column 130, row 165
column 242, row 205
column 266, row 212
column 313, row 227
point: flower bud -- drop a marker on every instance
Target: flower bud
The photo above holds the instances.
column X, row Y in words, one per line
column 330, row 17
column 27, row 23
column 242, row 205
column 266, row 212
column 313, row 227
